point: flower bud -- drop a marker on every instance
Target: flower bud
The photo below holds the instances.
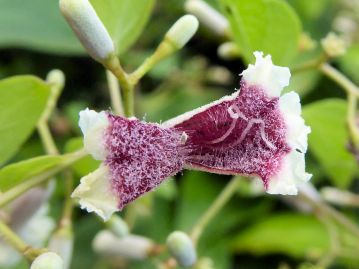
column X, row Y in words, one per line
column 62, row 242
column 339, row 197
column 208, row 16
column 333, row 45
column 131, row 246
column 182, row 31
column 181, row 248
column 56, row 77
column 89, row 28
column 48, row 260
column 228, row 51
column 117, row 226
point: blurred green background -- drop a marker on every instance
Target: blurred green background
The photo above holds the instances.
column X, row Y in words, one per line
column 253, row 230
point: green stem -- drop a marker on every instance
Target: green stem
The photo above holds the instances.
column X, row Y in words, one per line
column 69, row 204
column 113, row 64
column 333, row 213
column 353, row 93
column 115, row 94
column 165, row 48
column 46, row 138
column 15, row 241
column 31, row 182
column 339, row 78
column 216, row 206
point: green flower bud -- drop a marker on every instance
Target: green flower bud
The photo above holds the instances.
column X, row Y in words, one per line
column 333, row 45
column 89, row 28
column 182, row 31
column 181, row 248
column 56, row 77
column 48, row 260
column 117, row 226
column 132, row 246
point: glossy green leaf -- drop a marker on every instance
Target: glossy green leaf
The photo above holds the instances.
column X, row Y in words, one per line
column 36, row 24
column 124, row 19
column 22, row 100
column 291, row 234
column 16, row 173
column 85, row 165
column 329, row 139
column 270, row 26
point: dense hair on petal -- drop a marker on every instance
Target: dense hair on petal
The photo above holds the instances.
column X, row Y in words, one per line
column 141, row 155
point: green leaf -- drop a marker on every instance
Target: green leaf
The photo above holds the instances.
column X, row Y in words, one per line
column 87, row 164
column 291, row 234
column 271, row 26
column 124, row 19
column 329, row 138
column 36, row 24
column 16, row 173
column 22, row 100
column 350, row 63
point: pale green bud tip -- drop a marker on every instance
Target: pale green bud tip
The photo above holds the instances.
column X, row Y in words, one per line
column 183, row 30
column 56, row 77
column 89, row 28
column 117, row 226
column 48, row 260
column 181, row 248
column 229, row 50
column 333, row 45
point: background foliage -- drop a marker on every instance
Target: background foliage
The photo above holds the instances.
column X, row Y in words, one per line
column 253, row 230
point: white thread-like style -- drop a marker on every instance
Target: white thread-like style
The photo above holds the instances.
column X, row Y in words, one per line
column 235, row 113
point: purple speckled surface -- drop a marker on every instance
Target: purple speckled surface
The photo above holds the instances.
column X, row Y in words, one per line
column 245, row 135
column 253, row 142
column 141, row 155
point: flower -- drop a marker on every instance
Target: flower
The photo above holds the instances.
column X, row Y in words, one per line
column 253, row 132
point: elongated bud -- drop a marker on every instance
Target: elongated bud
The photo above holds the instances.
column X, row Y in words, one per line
column 339, row 197
column 228, row 51
column 208, row 16
column 89, row 28
column 48, row 260
column 131, row 246
column 117, row 226
column 181, row 248
column 182, row 31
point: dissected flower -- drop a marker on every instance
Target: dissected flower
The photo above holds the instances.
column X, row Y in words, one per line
column 253, row 132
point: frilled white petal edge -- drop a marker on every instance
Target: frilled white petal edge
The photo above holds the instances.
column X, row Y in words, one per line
column 93, row 126
column 290, row 176
column 95, row 193
column 297, row 131
column 271, row 78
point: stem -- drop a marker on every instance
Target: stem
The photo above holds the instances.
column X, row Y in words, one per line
column 353, row 93
column 216, row 206
column 339, row 78
column 42, row 126
column 165, row 48
column 31, row 182
column 68, row 205
column 113, row 64
column 336, row 215
column 15, row 241
column 46, row 138
column 116, row 100
column 312, row 64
